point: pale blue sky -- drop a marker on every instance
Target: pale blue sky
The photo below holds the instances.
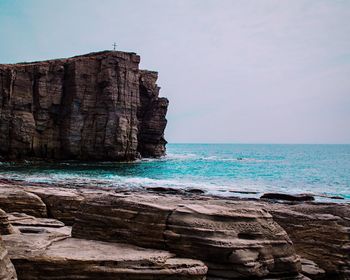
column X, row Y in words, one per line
column 238, row 71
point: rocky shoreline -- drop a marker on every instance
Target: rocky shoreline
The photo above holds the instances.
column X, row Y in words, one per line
column 56, row 232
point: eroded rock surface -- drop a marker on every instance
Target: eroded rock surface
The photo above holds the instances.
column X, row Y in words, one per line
column 14, row 199
column 235, row 242
column 44, row 250
column 98, row 106
column 236, row 239
column 61, row 204
column 7, row 271
column 320, row 233
column 5, row 226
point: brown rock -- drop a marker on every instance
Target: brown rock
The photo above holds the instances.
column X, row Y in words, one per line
column 57, row 203
column 235, row 241
column 97, row 106
column 48, row 256
column 151, row 115
column 14, row 199
column 5, row 226
column 311, row 269
column 7, row 271
column 320, row 233
column 61, row 204
column 21, row 219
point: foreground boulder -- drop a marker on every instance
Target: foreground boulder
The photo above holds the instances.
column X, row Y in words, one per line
column 98, row 106
column 44, row 250
column 235, row 242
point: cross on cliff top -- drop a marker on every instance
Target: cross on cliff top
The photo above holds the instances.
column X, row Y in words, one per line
column 114, row 45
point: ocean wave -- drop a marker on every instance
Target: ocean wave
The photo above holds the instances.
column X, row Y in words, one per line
column 191, row 156
column 180, row 156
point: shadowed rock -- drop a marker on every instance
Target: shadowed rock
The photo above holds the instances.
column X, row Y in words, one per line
column 320, row 233
column 288, row 197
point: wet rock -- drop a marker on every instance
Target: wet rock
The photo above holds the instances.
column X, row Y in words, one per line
column 194, row 191
column 98, row 106
column 166, row 190
column 288, row 197
column 243, row 192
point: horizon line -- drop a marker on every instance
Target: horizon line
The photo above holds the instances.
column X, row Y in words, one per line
column 256, row 143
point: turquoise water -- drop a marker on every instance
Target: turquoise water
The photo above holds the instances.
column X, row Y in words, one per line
column 217, row 168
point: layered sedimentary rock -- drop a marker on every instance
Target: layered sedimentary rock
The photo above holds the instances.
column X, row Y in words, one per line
column 43, row 249
column 60, row 204
column 151, row 115
column 7, row 271
column 18, row 200
column 85, row 259
column 98, row 106
column 320, row 233
column 5, row 226
column 235, row 242
column 234, row 238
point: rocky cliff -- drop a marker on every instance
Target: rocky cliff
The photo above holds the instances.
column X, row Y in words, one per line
column 98, row 106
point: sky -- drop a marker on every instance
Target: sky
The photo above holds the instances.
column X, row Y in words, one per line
column 235, row 71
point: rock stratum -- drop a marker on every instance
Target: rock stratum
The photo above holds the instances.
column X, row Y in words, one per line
column 93, row 233
column 98, row 106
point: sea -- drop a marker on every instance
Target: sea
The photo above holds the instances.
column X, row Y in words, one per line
column 244, row 170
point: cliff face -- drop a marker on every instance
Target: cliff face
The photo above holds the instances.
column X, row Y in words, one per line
column 99, row 106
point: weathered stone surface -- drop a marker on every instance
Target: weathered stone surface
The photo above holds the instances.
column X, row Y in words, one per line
column 311, row 269
column 5, row 226
column 151, row 115
column 7, row 271
column 98, row 106
column 235, row 241
column 57, row 203
column 48, row 256
column 61, row 204
column 320, row 233
column 196, row 224
column 14, row 199
column 21, row 219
